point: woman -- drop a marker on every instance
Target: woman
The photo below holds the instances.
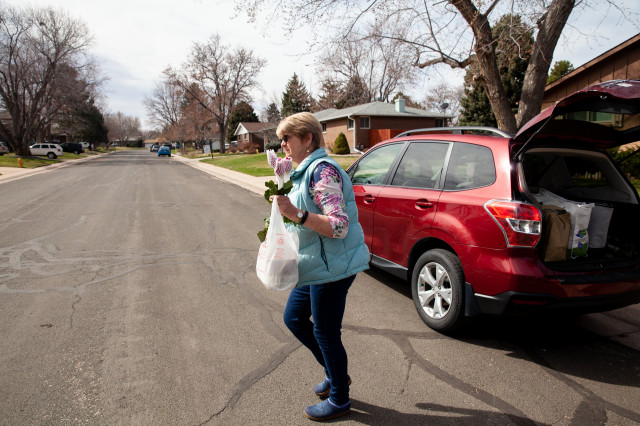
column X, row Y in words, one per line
column 332, row 252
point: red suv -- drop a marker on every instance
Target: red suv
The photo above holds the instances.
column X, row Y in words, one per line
column 492, row 224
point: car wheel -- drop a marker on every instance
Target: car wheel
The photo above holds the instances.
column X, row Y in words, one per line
column 76, row 152
column 52, row 156
column 437, row 287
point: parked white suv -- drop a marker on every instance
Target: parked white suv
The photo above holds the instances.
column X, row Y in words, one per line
column 51, row 150
column 3, row 148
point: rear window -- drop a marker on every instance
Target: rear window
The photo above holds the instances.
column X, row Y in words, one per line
column 576, row 175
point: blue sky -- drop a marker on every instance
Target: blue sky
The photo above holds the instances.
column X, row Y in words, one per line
column 135, row 40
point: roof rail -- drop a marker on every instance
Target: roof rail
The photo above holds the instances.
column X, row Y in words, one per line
column 459, row 130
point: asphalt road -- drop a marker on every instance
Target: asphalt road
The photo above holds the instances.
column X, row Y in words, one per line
column 128, row 295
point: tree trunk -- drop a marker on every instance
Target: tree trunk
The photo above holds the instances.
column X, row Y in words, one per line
column 223, row 135
column 549, row 30
column 486, row 55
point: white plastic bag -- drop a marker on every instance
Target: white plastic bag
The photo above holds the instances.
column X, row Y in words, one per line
column 599, row 225
column 277, row 264
column 580, row 216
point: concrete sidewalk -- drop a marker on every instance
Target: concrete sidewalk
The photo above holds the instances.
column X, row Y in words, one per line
column 251, row 183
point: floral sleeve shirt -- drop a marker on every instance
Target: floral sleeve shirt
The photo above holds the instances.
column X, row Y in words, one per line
column 325, row 190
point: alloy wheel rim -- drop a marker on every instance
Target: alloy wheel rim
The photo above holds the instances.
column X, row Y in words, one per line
column 434, row 290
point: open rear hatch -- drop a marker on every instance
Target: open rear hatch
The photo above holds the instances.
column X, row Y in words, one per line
column 563, row 167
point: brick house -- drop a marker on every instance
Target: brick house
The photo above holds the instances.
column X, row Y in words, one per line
column 620, row 63
column 249, row 134
column 366, row 125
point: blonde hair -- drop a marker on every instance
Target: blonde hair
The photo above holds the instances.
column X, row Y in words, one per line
column 301, row 124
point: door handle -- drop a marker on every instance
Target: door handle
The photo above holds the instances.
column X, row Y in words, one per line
column 424, row 204
column 368, row 199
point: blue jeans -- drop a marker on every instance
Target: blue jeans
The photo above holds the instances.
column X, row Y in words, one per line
column 325, row 303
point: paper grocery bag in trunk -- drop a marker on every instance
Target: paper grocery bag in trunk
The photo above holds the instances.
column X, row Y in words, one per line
column 580, row 215
column 556, row 228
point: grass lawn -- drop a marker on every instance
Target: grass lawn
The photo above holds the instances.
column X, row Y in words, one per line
column 257, row 165
column 29, row 163
column 33, row 162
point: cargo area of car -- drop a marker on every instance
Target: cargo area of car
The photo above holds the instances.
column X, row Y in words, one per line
column 584, row 191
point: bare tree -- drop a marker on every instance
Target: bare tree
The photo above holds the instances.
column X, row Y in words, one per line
column 381, row 64
column 122, row 128
column 223, row 77
column 452, row 32
column 44, row 68
column 444, row 98
column 164, row 106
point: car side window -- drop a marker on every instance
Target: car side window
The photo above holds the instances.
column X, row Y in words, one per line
column 374, row 166
column 421, row 165
column 471, row 166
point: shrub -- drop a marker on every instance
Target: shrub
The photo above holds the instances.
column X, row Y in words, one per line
column 275, row 145
column 630, row 166
column 341, row 146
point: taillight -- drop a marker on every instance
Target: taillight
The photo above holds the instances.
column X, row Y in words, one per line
column 520, row 222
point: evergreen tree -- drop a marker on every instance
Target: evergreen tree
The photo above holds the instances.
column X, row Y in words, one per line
column 91, row 127
column 273, row 113
column 559, row 70
column 331, row 95
column 355, row 93
column 295, row 98
column 513, row 50
column 242, row 112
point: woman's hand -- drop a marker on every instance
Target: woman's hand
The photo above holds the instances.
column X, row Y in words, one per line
column 287, row 209
column 316, row 222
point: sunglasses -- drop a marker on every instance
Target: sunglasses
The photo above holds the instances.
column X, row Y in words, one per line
column 285, row 137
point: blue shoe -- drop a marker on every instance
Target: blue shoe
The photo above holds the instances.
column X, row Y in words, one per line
column 326, row 410
column 324, row 389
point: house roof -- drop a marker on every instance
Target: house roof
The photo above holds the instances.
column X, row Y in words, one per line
column 375, row 109
column 635, row 40
column 250, row 127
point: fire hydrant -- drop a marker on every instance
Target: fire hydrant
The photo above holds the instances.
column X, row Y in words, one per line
column 20, row 162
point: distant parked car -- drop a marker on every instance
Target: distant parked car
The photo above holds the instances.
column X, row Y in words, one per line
column 51, row 150
column 154, row 147
column 3, row 148
column 85, row 145
column 74, row 147
column 164, row 150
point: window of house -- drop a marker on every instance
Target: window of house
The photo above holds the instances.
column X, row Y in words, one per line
column 324, row 127
column 364, row 122
column 602, row 118
column 439, row 122
column 350, row 124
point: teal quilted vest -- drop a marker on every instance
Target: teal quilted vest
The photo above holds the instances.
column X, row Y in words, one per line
column 322, row 259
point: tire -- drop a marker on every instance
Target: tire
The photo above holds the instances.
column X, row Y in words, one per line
column 52, row 156
column 441, row 304
column 76, row 152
